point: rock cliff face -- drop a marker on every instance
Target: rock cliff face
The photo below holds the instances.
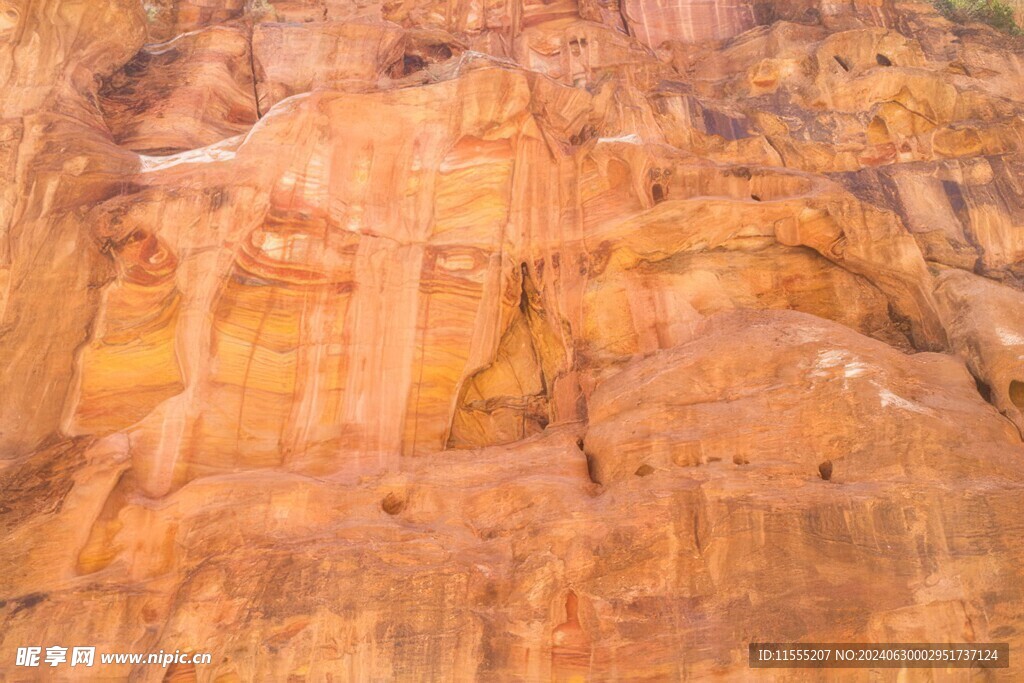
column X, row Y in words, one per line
column 507, row 340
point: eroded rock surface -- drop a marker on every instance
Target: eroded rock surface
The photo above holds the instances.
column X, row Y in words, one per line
column 507, row 341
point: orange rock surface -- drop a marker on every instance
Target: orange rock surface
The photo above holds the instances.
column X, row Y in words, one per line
column 570, row 340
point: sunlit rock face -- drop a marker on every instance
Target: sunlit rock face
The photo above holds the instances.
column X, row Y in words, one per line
column 184, row 93
column 507, row 341
column 655, row 22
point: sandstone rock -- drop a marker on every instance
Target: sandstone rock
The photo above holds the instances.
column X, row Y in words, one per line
column 188, row 92
column 985, row 326
column 297, row 58
column 170, row 18
column 687, row 20
column 450, row 544
column 507, row 341
column 812, row 391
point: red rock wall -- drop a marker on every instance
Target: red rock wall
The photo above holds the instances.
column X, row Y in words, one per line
column 507, row 340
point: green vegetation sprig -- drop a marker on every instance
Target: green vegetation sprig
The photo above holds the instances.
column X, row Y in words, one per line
column 995, row 13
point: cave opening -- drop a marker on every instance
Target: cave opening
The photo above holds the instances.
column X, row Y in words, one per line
column 592, row 469
column 412, row 64
column 393, row 503
column 825, row 470
column 418, row 56
column 657, row 193
column 1017, row 393
column 644, row 470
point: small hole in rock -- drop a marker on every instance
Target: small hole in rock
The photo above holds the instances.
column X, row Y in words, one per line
column 825, row 470
column 883, row 60
column 841, row 62
column 644, row 470
column 1017, row 393
column 572, row 606
column 412, row 63
column 756, row 197
column 657, row 192
column 592, row 468
column 393, row 503
column 740, row 460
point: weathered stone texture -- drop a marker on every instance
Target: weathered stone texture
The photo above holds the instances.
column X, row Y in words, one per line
column 507, row 340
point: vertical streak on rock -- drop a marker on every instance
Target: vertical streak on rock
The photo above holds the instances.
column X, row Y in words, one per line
column 48, row 253
column 252, row 72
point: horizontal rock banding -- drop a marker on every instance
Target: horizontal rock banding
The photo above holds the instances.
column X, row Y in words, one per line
column 539, row 341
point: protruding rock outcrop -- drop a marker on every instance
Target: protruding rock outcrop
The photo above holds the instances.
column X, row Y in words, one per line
column 812, row 391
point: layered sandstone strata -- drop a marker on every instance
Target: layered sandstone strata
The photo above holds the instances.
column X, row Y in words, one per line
column 505, row 341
